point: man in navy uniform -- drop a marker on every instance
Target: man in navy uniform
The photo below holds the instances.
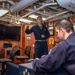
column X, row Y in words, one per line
column 41, row 33
column 63, row 54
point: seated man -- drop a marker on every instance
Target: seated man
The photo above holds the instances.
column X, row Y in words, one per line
column 63, row 54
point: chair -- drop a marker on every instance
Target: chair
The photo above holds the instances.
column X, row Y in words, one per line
column 27, row 54
column 12, row 69
column 15, row 51
column 3, row 62
column 11, row 59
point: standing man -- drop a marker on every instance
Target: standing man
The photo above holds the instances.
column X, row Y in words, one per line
column 63, row 54
column 41, row 33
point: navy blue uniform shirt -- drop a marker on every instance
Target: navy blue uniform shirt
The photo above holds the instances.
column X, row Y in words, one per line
column 40, row 47
column 62, row 55
column 38, row 32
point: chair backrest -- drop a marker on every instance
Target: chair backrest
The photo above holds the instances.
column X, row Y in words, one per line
column 27, row 50
column 13, row 52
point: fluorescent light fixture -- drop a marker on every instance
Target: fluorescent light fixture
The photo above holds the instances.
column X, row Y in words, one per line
column 25, row 20
column 3, row 12
column 35, row 16
column 50, row 28
column 44, row 18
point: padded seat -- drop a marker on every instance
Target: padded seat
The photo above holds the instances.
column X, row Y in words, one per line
column 12, row 69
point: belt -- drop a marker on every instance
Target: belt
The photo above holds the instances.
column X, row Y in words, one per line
column 40, row 40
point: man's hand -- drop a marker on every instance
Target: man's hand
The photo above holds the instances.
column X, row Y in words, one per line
column 43, row 56
column 42, row 36
column 37, row 58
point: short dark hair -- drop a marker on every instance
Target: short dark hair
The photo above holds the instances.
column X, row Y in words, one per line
column 39, row 17
column 65, row 24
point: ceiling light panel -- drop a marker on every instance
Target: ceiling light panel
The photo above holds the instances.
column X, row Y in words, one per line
column 35, row 16
column 25, row 20
column 3, row 12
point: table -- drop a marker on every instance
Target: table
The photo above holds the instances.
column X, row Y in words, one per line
column 3, row 61
column 26, row 69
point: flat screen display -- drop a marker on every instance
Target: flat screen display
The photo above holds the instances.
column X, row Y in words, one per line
column 10, row 32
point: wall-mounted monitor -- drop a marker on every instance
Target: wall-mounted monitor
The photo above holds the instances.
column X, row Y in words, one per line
column 10, row 32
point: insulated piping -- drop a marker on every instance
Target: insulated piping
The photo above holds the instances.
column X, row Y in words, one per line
column 62, row 16
column 11, row 2
column 39, row 9
column 2, row 0
column 22, row 4
column 41, row 13
column 57, row 15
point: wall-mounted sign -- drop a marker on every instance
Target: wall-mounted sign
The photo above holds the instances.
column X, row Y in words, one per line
column 28, row 36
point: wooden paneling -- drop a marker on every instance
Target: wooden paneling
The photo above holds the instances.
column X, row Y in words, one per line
column 30, row 42
column 24, row 42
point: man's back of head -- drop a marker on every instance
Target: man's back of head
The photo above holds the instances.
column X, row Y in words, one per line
column 65, row 24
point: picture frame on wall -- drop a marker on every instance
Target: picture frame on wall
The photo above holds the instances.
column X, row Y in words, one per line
column 50, row 28
column 51, row 32
column 28, row 36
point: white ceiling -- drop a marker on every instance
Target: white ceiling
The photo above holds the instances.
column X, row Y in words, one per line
column 49, row 9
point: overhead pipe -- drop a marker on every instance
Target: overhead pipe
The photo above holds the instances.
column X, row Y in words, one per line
column 62, row 16
column 39, row 9
column 57, row 15
column 39, row 12
column 2, row 0
column 3, row 5
column 22, row 4
column 11, row 2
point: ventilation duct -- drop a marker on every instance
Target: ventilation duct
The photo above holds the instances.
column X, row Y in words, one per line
column 22, row 4
column 68, row 4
